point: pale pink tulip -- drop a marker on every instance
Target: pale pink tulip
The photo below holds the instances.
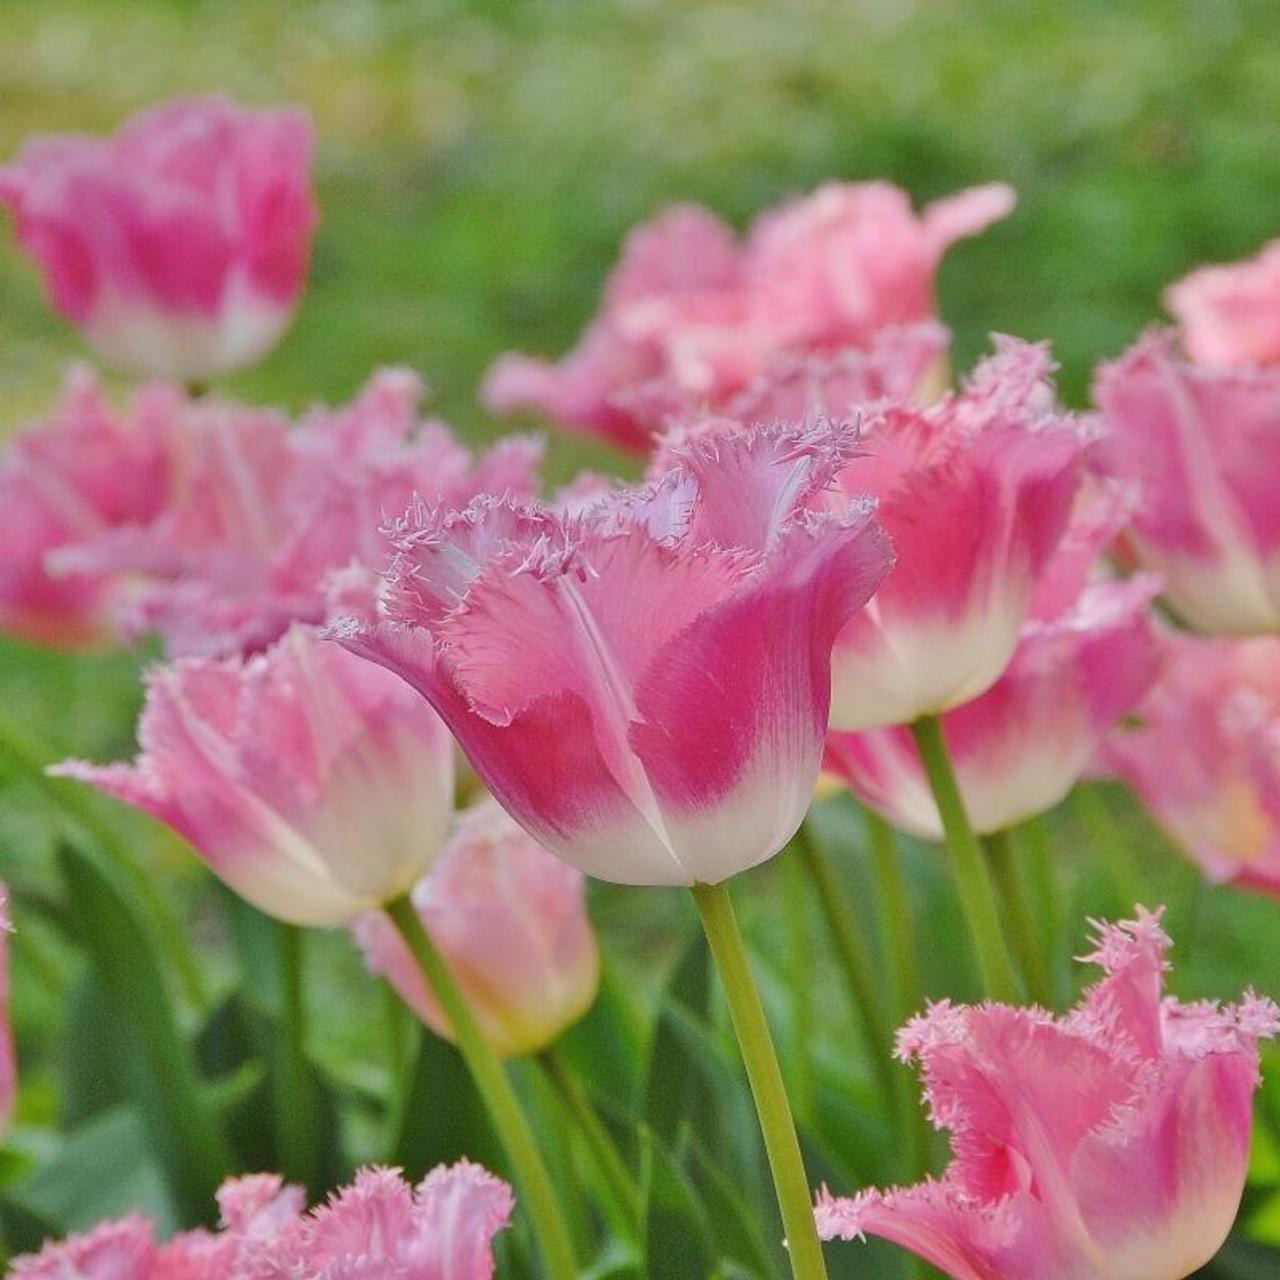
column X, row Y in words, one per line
column 179, row 246
column 1112, row 1142
column 1230, row 315
column 315, row 785
column 690, row 317
column 644, row 687
column 1203, row 753
column 1204, row 445
column 511, row 920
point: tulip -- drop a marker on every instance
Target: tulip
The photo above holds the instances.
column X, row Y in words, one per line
column 1110, row 1142
column 179, row 246
column 1203, row 444
column 691, row 318
column 84, row 472
column 1203, row 753
column 643, row 687
column 313, row 784
column 511, row 923
column 1230, row 315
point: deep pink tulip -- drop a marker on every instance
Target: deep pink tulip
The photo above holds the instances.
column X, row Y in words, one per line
column 315, row 785
column 1110, row 1142
column 180, row 245
column 1204, row 444
column 1085, row 658
column 1203, row 753
column 8, row 1058
column 379, row 1226
column 644, row 686
column 83, row 472
column 975, row 493
column 690, row 317
column 511, row 920
column 1230, row 315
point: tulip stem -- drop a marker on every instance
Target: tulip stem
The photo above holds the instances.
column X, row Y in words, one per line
column 783, row 1147
column 541, row 1207
column 977, row 895
column 296, row 1102
column 895, row 914
column 603, row 1149
column 1017, row 910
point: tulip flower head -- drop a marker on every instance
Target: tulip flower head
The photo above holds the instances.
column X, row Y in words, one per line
column 315, row 785
column 1112, row 1142
column 1230, row 315
column 511, row 922
column 180, row 245
column 643, row 686
column 1203, row 444
column 691, row 318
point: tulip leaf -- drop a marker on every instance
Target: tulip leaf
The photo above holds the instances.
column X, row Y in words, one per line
column 677, row 1237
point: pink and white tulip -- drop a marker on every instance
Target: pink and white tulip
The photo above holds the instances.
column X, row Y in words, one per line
column 1204, row 444
column 691, row 318
column 975, row 493
column 1203, row 753
column 1230, row 315
column 180, row 245
column 511, row 922
column 379, row 1226
column 1111, row 1142
column 84, row 472
column 315, row 785
column 644, row 687
column 1085, row 658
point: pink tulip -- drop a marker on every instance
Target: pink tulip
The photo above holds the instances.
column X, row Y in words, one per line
column 179, row 246
column 1110, row 1142
column 315, row 785
column 690, row 317
column 1085, row 658
column 643, row 687
column 1203, row 752
column 265, row 517
column 85, row 471
column 379, row 1226
column 1230, row 315
column 1204, row 444
column 975, row 493
column 8, row 1058
column 511, row 922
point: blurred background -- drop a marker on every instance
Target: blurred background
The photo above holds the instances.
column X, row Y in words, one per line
column 478, row 163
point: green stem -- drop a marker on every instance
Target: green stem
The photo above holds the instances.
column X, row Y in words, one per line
column 541, row 1207
column 783, row 1147
column 1042, row 885
column 296, row 1104
column 603, row 1149
column 799, row 982
column 1027, row 938
column 977, row 896
column 895, row 915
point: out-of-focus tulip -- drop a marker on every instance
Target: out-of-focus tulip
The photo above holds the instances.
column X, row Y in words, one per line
column 379, row 1226
column 179, row 246
column 1111, row 1142
column 315, row 785
column 975, row 493
column 511, row 922
column 8, row 1058
column 1203, row 753
column 1204, row 445
column 1085, row 658
column 690, row 317
column 644, row 687
column 1230, row 315
column 83, row 472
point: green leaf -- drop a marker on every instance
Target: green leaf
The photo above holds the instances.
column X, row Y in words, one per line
column 677, row 1237
column 91, row 1081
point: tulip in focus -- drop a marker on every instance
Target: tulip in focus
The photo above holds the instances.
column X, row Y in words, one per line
column 644, row 687
column 511, row 923
column 1085, row 658
column 1203, row 753
column 180, row 245
column 315, row 785
column 1112, row 1142
column 1204, row 445
column 690, row 317
column 1230, row 315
